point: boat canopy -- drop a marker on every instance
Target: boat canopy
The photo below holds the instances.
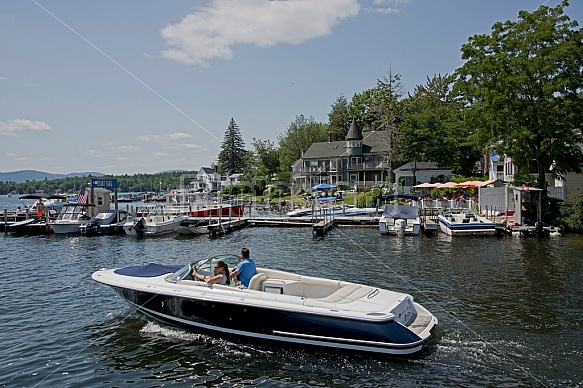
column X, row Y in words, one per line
column 401, row 211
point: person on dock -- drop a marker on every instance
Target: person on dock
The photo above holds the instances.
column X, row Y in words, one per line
column 39, row 208
column 246, row 268
column 221, row 274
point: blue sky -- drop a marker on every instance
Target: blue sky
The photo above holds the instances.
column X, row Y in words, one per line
column 125, row 87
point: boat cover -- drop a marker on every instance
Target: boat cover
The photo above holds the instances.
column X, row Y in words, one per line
column 401, row 211
column 148, row 271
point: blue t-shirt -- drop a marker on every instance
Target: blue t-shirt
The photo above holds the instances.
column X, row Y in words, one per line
column 246, row 269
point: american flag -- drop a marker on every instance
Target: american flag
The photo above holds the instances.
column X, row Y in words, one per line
column 82, row 196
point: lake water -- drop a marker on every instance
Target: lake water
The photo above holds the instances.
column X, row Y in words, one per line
column 510, row 311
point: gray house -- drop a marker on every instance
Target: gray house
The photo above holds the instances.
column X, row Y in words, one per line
column 361, row 160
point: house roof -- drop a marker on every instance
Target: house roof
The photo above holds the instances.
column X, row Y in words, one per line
column 421, row 166
column 354, row 132
column 372, row 143
column 207, row 170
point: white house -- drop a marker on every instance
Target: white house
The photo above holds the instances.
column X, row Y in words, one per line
column 229, row 180
column 207, row 179
column 424, row 172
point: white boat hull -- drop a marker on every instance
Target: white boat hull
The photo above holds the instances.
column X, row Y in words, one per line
column 278, row 306
column 455, row 222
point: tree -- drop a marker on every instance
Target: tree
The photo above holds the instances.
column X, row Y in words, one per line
column 388, row 111
column 339, row 119
column 521, row 85
column 298, row 137
column 231, row 159
column 267, row 157
column 432, row 129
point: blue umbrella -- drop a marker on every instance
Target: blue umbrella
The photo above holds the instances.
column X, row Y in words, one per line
column 323, row 186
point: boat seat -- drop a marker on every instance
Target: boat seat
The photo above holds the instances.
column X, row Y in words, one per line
column 256, row 282
column 346, row 294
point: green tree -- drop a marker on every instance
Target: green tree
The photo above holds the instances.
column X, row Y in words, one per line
column 298, row 137
column 521, row 85
column 267, row 157
column 231, row 158
column 432, row 128
column 339, row 119
column 388, row 113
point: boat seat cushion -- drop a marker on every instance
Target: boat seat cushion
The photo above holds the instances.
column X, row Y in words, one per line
column 347, row 293
column 256, row 282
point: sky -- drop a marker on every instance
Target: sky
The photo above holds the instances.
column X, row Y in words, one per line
column 143, row 86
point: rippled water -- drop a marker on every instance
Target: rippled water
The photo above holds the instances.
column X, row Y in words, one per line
column 510, row 312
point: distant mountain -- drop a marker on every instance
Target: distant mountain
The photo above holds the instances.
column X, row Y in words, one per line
column 33, row 175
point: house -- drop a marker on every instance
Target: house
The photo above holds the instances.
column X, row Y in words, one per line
column 207, row 179
column 360, row 159
column 502, row 168
column 229, row 180
column 422, row 171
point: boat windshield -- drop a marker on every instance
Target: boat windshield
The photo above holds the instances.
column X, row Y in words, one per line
column 203, row 266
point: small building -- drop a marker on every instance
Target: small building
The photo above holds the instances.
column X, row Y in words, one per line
column 423, row 172
column 207, row 179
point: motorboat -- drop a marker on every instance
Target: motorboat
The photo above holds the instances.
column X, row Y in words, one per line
column 157, row 222
column 402, row 217
column 465, row 222
column 105, row 222
column 52, row 204
column 197, row 204
column 277, row 306
column 190, row 227
column 70, row 218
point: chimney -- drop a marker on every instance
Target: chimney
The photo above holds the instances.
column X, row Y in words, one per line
column 373, row 127
column 329, row 137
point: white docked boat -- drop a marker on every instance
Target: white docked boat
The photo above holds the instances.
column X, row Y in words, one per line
column 190, row 227
column 157, row 222
column 465, row 222
column 401, row 218
column 277, row 306
column 70, row 218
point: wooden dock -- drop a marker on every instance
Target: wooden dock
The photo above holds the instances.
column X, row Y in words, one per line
column 319, row 225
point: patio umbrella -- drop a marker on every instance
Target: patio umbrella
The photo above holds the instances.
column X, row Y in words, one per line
column 323, row 186
column 447, row 185
column 426, row 185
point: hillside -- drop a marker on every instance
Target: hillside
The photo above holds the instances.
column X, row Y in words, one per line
column 34, row 175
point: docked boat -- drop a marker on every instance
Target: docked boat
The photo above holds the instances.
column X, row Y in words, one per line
column 70, row 218
column 402, row 217
column 277, row 306
column 157, row 222
column 105, row 222
column 465, row 222
column 190, row 227
column 198, row 204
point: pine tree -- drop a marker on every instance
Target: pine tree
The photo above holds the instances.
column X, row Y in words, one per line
column 232, row 155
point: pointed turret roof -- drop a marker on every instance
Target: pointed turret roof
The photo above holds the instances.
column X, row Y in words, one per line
column 354, row 132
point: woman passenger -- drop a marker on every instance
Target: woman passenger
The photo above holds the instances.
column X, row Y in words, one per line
column 221, row 271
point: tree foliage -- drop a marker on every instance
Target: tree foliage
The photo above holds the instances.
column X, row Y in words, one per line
column 298, row 137
column 231, row 158
column 339, row 119
column 521, row 85
column 432, row 129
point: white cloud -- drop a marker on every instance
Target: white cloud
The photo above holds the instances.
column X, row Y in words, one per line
column 13, row 127
column 212, row 31
column 165, row 137
column 95, row 153
column 127, row 148
column 159, row 154
column 188, row 146
column 3, row 78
